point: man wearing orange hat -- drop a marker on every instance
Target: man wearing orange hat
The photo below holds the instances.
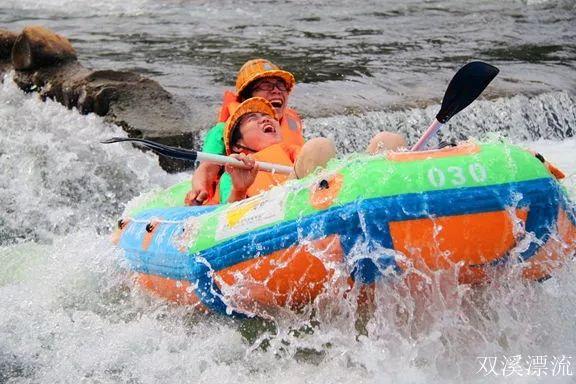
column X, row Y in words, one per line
column 259, row 78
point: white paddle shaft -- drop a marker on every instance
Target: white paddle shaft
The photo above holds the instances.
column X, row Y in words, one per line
column 222, row 160
column 431, row 131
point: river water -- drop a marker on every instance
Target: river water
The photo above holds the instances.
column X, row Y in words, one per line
column 68, row 310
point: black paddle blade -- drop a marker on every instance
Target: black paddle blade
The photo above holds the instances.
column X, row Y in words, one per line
column 466, row 85
column 173, row 152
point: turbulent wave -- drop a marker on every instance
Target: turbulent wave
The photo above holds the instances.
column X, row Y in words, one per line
column 519, row 118
column 56, row 176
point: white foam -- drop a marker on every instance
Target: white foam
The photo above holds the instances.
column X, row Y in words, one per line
column 56, row 175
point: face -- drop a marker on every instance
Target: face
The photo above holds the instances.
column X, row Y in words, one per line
column 258, row 131
column 273, row 89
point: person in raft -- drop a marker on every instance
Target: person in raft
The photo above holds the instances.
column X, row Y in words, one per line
column 260, row 78
column 253, row 133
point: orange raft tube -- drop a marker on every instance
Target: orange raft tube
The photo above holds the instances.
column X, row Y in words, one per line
column 465, row 208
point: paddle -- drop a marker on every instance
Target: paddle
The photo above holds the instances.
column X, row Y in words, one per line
column 191, row 155
column 466, row 85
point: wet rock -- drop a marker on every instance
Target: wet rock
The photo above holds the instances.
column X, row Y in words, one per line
column 38, row 47
column 45, row 62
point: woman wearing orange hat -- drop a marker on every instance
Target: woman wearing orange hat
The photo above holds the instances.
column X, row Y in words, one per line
column 252, row 133
column 259, row 78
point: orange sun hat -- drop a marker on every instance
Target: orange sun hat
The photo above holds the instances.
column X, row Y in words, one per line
column 252, row 105
column 259, row 68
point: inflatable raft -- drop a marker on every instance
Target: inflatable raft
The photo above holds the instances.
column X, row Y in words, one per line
column 472, row 208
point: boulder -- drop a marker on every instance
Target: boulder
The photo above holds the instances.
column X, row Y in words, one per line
column 45, row 62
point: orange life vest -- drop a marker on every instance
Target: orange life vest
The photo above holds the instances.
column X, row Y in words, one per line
column 281, row 153
column 290, row 123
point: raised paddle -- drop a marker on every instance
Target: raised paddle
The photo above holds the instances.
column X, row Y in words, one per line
column 191, row 155
column 466, row 85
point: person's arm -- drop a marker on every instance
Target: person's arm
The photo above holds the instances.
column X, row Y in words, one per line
column 242, row 179
column 236, row 195
column 205, row 178
column 203, row 184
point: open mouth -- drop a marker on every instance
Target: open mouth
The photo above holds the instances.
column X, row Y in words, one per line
column 269, row 128
column 277, row 103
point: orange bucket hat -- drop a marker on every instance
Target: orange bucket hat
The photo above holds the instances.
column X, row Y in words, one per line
column 252, row 105
column 259, row 68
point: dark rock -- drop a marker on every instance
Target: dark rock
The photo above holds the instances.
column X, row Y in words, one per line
column 46, row 63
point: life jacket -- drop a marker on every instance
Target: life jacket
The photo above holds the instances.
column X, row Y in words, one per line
column 290, row 123
column 281, row 153
column 291, row 128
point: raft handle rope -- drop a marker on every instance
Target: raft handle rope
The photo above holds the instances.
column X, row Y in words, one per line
column 556, row 172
